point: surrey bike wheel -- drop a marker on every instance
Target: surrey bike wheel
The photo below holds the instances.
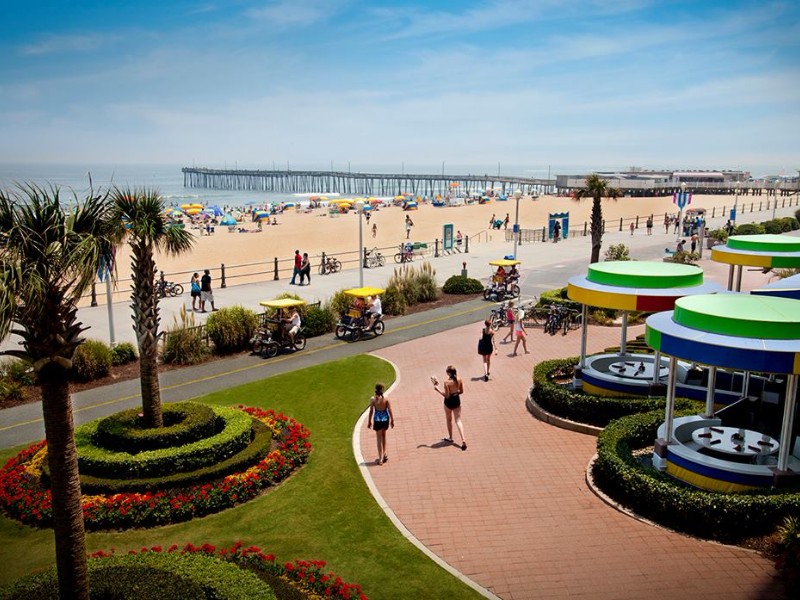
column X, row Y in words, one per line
column 271, row 349
column 378, row 328
column 514, row 291
column 340, row 331
column 299, row 342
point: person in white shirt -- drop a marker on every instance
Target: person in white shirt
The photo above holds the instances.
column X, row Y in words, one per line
column 293, row 324
column 374, row 311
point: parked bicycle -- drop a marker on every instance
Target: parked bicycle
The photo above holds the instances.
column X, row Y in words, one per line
column 329, row 265
column 561, row 318
column 405, row 255
column 373, row 259
column 168, row 288
column 499, row 315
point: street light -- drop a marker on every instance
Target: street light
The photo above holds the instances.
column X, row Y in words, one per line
column 681, row 203
column 517, row 196
column 360, row 211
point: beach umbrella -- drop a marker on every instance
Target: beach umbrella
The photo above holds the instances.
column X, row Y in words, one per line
column 174, row 212
column 228, row 220
column 216, row 211
column 192, row 211
column 399, row 197
column 237, row 214
column 323, row 198
column 454, row 184
column 195, row 205
column 185, row 206
column 367, row 207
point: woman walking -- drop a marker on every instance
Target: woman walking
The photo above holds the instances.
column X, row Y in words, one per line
column 380, row 419
column 453, row 388
column 519, row 333
column 305, row 269
column 486, row 347
column 510, row 321
column 194, row 286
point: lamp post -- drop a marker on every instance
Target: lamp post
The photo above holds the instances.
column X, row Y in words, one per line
column 734, row 212
column 517, row 196
column 360, row 211
column 775, row 199
column 681, row 203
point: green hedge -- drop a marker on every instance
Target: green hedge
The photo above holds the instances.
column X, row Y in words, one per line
column 656, row 496
column 233, row 437
column 318, row 320
column 123, row 353
column 92, row 360
column 558, row 296
column 231, row 328
column 458, row 284
column 184, row 423
column 151, row 576
column 576, row 405
column 258, row 449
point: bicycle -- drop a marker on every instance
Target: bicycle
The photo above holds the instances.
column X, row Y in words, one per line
column 499, row 316
column 329, row 265
column 405, row 255
column 168, row 288
column 374, row 259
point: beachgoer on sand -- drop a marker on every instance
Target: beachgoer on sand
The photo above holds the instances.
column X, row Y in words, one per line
column 374, row 229
column 409, row 225
column 506, row 221
column 491, row 221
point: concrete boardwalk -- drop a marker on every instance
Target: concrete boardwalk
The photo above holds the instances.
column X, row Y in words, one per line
column 513, row 512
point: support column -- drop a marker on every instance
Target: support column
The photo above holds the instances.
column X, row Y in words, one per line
column 623, row 344
column 738, row 278
column 584, row 334
column 787, row 423
column 712, row 383
column 656, row 366
column 730, row 278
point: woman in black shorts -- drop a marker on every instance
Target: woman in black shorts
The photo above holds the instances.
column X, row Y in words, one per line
column 380, row 419
column 486, row 346
column 453, row 388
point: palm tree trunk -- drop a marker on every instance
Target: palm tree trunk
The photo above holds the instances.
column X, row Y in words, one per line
column 65, row 485
column 597, row 229
column 146, row 321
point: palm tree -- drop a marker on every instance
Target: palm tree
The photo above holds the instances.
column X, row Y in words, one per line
column 597, row 189
column 138, row 215
column 47, row 261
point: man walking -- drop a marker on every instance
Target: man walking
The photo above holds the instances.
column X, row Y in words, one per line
column 298, row 262
column 205, row 291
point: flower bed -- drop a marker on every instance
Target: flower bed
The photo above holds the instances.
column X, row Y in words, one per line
column 307, row 576
column 23, row 497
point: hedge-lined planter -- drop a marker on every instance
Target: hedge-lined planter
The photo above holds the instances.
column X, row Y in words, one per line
column 184, row 423
column 23, row 497
column 234, row 436
column 579, row 406
column 660, row 498
column 152, row 575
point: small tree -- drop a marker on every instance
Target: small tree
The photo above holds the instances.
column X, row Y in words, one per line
column 596, row 189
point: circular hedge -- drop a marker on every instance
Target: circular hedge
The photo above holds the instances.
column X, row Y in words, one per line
column 458, row 284
column 25, row 497
column 660, row 498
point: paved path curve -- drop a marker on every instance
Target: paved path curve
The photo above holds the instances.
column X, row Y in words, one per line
column 514, row 512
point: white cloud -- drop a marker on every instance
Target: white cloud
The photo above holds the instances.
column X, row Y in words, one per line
column 66, row 44
column 291, row 13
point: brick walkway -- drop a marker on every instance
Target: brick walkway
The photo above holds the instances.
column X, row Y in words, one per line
column 514, row 512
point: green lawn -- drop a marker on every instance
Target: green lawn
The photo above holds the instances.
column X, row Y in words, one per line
column 324, row 511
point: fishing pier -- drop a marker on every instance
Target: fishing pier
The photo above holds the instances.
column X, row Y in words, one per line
column 361, row 184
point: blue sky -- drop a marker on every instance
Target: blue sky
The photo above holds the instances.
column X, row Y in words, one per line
column 571, row 84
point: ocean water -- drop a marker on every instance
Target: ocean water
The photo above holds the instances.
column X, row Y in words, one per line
column 168, row 179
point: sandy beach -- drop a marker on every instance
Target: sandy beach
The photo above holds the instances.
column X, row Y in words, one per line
column 316, row 231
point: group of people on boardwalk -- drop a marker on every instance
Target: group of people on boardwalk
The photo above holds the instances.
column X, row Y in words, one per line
column 302, row 268
column 200, row 291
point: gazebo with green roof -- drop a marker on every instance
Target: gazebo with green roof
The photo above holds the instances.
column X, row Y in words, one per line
column 767, row 251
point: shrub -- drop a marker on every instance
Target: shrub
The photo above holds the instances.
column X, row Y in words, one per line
column 797, row 215
column 10, row 390
column 720, row 234
column 749, row 229
column 775, row 226
column 19, row 371
column 319, row 320
column 233, row 436
column 340, row 302
column 153, row 575
column 92, row 360
column 183, row 343
column 122, row 354
column 458, row 284
column 617, row 252
column 558, row 296
column 576, row 405
column 425, row 287
column 393, row 302
column 788, row 562
column 184, row 423
column 684, row 257
column 656, row 496
column 790, row 223
column 231, row 328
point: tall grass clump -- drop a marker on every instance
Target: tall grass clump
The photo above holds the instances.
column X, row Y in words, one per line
column 184, row 344
column 231, row 328
column 92, row 360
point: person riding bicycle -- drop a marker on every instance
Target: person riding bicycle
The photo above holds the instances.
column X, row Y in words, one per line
column 374, row 311
column 292, row 324
column 408, row 252
column 512, row 276
column 500, row 275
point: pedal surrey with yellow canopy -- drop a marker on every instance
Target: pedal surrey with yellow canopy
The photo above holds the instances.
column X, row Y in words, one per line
column 358, row 319
column 276, row 332
column 504, row 281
